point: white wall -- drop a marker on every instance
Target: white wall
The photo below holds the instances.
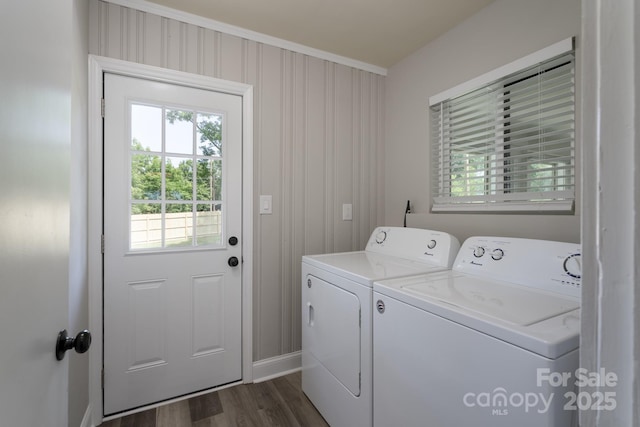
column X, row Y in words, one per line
column 502, row 32
column 318, row 132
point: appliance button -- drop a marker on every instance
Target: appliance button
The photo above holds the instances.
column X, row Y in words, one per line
column 478, row 252
column 573, row 265
column 432, row 244
column 497, row 254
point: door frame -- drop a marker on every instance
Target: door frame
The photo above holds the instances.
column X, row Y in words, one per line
column 98, row 65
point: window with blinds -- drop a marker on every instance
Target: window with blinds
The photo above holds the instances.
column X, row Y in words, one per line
column 508, row 145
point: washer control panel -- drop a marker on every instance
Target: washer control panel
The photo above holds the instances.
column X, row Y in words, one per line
column 554, row 266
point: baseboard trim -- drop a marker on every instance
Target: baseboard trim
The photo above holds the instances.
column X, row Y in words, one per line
column 86, row 420
column 273, row 367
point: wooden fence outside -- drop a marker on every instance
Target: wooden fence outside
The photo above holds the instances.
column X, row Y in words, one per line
column 146, row 229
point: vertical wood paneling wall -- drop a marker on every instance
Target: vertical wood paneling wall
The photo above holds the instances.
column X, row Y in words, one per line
column 318, row 143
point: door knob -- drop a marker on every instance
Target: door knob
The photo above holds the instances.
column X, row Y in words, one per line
column 233, row 262
column 233, row 240
column 80, row 343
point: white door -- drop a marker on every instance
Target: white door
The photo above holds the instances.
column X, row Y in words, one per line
column 35, row 135
column 172, row 252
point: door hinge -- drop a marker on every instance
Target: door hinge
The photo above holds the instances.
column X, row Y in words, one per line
column 102, row 243
column 102, row 107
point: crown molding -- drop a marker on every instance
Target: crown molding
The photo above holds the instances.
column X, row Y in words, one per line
column 167, row 12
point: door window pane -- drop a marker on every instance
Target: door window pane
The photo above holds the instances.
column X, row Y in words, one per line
column 178, row 178
column 179, row 132
column 146, row 225
column 209, row 134
column 146, row 127
column 178, row 225
column 146, row 177
column 209, row 179
column 208, row 224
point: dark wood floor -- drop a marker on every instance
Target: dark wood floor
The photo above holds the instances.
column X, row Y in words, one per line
column 278, row 402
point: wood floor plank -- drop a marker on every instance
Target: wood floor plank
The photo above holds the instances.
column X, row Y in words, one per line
column 274, row 411
column 174, row 414
column 295, row 379
column 220, row 420
column 301, row 407
column 278, row 402
column 205, row 406
column 240, row 406
column 112, row 423
column 141, row 419
column 276, row 416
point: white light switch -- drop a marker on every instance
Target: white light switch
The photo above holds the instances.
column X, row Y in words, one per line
column 347, row 212
column 265, row 205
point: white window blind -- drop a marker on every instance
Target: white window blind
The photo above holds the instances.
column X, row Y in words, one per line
column 508, row 145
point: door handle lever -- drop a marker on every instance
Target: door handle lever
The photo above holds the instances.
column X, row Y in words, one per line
column 80, row 343
column 311, row 317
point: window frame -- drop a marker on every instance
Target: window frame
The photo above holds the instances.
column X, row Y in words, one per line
column 497, row 197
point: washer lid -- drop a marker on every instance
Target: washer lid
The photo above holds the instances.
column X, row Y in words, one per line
column 511, row 303
column 364, row 267
column 540, row 321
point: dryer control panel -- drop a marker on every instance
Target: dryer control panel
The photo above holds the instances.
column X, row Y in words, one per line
column 434, row 247
column 541, row 264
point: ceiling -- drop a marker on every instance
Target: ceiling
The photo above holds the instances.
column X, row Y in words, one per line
column 377, row 32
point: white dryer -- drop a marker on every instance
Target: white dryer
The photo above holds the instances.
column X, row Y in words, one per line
column 483, row 344
column 336, row 315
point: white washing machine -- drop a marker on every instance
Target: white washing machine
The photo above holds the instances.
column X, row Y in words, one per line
column 481, row 345
column 336, row 315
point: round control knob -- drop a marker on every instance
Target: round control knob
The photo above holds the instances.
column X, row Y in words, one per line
column 573, row 265
column 432, row 244
column 381, row 237
column 478, row 252
column 497, row 254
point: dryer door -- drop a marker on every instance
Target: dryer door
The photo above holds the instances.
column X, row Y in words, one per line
column 332, row 330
